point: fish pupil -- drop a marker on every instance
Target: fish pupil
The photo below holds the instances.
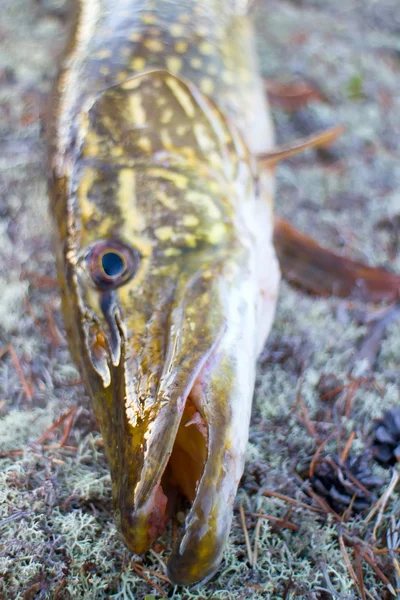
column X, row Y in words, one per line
column 113, row 264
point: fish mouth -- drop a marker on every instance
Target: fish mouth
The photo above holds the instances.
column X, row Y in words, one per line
column 172, row 476
column 187, row 440
column 193, row 454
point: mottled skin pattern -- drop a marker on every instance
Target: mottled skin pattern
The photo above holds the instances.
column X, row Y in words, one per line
column 157, row 119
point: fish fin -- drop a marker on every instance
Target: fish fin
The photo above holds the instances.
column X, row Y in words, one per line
column 322, row 272
column 318, row 140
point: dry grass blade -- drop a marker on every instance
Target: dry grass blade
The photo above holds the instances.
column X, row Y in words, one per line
column 246, row 534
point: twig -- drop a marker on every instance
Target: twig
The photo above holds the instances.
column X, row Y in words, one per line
column 148, row 580
column 324, row 505
column 162, row 577
column 381, row 504
column 160, row 560
column 28, row 389
column 256, row 538
column 66, row 417
column 306, row 417
column 246, row 534
column 359, row 571
column 318, row 452
column 347, row 447
column 284, row 523
column 349, row 565
column 270, row 493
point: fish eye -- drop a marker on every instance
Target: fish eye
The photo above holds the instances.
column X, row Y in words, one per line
column 111, row 263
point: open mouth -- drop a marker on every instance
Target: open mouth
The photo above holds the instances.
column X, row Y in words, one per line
column 181, row 477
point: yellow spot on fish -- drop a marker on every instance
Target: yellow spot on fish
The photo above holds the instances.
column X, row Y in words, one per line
column 164, row 233
column 131, row 84
column 104, row 53
column 181, row 46
column 196, row 62
column 172, row 252
column 166, row 139
column 167, row 201
column 138, row 63
column 148, row 19
column 91, row 147
column 188, row 152
column 206, row 48
column 135, row 36
column 116, row 151
column 144, row 144
column 154, row 45
column 215, row 160
column 136, row 109
column 104, row 70
column 176, row 29
column 174, row 64
column 190, row 220
column 122, row 75
column 166, row 115
column 181, row 181
column 181, row 130
column 206, row 202
column 206, row 85
column 203, row 138
column 87, row 208
column 182, row 96
column 190, row 240
column 216, row 233
column 184, row 18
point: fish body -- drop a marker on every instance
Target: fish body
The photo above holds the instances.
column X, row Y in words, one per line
column 168, row 274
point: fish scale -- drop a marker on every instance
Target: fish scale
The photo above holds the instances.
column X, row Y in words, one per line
column 166, row 266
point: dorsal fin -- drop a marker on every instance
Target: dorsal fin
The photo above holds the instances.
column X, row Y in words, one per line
column 318, row 140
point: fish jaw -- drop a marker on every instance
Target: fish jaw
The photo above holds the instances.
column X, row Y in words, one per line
column 214, row 407
column 192, row 437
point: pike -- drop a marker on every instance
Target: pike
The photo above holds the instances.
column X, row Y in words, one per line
column 162, row 157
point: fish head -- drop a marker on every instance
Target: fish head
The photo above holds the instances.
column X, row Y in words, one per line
column 160, row 298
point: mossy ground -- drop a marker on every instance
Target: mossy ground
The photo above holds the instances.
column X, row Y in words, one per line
column 58, row 538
